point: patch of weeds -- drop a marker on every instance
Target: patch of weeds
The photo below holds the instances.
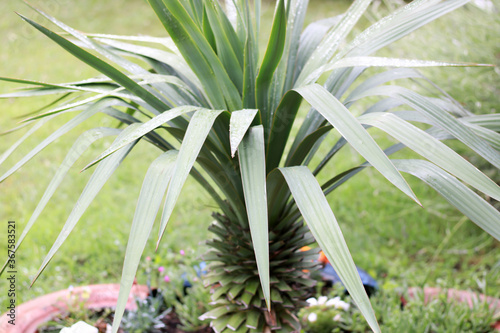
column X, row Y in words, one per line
column 396, row 315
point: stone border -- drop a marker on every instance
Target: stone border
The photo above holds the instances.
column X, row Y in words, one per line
column 33, row 313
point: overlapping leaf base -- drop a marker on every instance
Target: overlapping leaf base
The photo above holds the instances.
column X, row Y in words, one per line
column 237, row 297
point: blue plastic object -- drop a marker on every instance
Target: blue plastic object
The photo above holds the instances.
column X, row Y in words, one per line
column 329, row 274
column 200, row 270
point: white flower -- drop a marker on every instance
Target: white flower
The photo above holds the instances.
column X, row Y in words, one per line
column 338, row 304
column 312, row 301
column 333, row 302
column 343, row 305
column 312, row 317
column 322, row 300
column 337, row 317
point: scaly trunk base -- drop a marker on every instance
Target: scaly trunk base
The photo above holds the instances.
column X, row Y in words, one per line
column 237, row 297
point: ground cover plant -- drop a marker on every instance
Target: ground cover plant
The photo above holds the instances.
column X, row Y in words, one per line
column 338, row 314
column 318, row 130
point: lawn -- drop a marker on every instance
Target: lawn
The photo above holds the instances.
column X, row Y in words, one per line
column 395, row 240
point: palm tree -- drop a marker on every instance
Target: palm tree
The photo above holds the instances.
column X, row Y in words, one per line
column 220, row 113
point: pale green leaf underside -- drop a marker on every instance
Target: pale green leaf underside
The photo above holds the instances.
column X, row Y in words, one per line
column 239, row 124
column 379, row 62
column 79, row 147
column 439, row 117
column 432, row 149
column 196, row 134
column 456, row 193
column 347, row 125
column 102, row 173
column 321, row 221
column 253, row 175
column 153, row 188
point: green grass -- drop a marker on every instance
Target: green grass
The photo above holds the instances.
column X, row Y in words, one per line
column 391, row 237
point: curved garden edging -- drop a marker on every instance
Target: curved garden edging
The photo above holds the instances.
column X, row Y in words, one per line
column 33, row 313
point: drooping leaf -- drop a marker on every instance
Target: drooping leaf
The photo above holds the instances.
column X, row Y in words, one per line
column 459, row 195
column 196, row 134
column 102, row 66
column 325, row 229
column 439, row 117
column 340, row 117
column 142, row 130
column 92, row 110
column 253, row 175
column 79, row 147
column 102, row 173
column 240, row 122
column 432, row 149
column 153, row 188
column 326, row 49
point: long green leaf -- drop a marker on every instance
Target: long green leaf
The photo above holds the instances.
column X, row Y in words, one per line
column 102, row 67
column 253, row 175
column 321, row 221
column 432, row 149
column 229, row 47
column 240, row 122
column 489, row 121
column 332, row 40
column 347, row 125
column 198, row 53
column 281, row 126
column 171, row 59
column 140, row 131
column 153, row 188
column 102, row 173
column 380, row 62
column 196, row 134
column 310, row 39
column 79, row 147
column 297, row 156
column 397, row 25
column 459, row 195
column 439, row 117
column 92, row 110
column 271, row 60
column 12, row 148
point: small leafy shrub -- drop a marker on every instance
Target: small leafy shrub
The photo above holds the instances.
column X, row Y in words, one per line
column 191, row 306
column 178, row 277
column 436, row 316
column 148, row 316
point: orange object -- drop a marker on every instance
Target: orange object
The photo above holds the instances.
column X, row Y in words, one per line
column 322, row 258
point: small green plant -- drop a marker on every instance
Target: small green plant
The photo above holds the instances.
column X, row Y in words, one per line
column 190, row 306
column 439, row 315
column 148, row 316
column 180, row 281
